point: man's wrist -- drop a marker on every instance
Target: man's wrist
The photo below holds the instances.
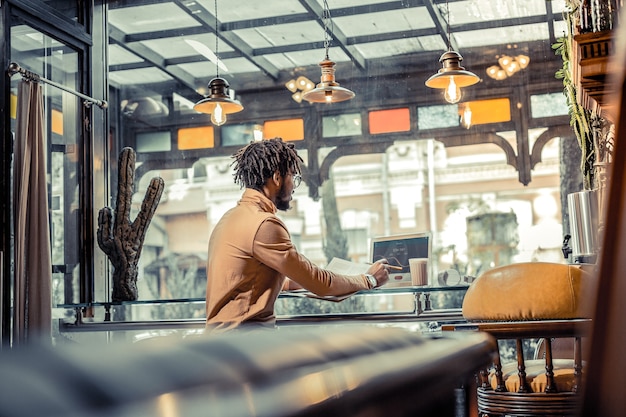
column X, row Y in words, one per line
column 372, row 280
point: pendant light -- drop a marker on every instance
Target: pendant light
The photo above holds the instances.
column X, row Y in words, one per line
column 508, row 66
column 218, row 103
column 452, row 76
column 328, row 90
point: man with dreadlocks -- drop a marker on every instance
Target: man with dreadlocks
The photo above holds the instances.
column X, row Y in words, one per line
column 250, row 249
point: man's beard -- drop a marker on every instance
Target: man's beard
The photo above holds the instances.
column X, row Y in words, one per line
column 283, row 199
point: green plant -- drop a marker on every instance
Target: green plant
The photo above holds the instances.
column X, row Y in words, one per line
column 580, row 117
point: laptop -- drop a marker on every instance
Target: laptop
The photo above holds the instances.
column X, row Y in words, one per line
column 398, row 249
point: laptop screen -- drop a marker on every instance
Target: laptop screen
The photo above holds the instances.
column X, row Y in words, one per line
column 398, row 250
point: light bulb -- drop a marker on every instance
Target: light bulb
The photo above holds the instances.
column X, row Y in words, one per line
column 512, row 68
column 523, row 61
column 297, row 96
column 328, row 95
column 291, row 86
column 493, row 70
column 453, row 92
column 504, row 60
column 218, row 117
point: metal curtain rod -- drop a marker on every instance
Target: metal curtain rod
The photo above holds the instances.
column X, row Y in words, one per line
column 14, row 68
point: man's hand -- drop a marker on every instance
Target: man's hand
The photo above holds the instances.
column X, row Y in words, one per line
column 380, row 272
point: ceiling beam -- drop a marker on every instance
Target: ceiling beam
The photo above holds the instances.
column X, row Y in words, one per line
column 496, row 24
column 208, row 21
column 117, row 37
column 336, row 34
column 441, row 25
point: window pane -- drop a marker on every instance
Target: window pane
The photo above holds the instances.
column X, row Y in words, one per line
column 51, row 59
column 239, row 134
column 388, row 121
column 396, row 176
column 341, row 125
column 433, row 117
column 71, row 10
column 291, row 129
column 196, row 138
column 154, row 142
column 546, row 105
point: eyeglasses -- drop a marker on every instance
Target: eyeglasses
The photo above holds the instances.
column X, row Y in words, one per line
column 297, row 179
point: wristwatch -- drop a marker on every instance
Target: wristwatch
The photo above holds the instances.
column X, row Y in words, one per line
column 372, row 280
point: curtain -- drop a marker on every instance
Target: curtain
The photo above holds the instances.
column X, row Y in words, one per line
column 32, row 305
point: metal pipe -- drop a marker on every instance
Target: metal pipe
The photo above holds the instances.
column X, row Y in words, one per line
column 14, row 68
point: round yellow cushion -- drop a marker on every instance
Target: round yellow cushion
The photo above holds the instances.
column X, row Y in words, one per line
column 530, row 291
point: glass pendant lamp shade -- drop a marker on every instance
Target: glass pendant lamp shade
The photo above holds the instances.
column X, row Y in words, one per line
column 328, row 90
column 218, row 103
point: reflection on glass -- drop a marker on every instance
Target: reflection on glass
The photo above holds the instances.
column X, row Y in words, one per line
column 153, row 142
column 341, row 125
column 70, row 10
column 239, row 134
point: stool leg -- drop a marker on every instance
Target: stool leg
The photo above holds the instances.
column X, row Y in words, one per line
column 550, row 385
column 500, row 387
column 521, row 367
column 578, row 364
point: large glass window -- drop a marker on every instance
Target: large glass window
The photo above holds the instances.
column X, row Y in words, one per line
column 57, row 62
column 397, row 159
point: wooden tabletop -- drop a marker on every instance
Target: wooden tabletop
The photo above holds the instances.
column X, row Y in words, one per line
column 524, row 329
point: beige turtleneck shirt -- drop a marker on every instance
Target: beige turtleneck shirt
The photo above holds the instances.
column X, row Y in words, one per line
column 250, row 254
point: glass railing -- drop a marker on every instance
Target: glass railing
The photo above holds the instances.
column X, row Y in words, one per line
column 382, row 306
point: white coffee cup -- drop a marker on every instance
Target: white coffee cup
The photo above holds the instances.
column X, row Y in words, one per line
column 419, row 271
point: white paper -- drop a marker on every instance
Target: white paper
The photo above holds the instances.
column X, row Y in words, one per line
column 307, row 294
column 341, row 266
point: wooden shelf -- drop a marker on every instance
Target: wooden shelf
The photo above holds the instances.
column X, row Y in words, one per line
column 593, row 51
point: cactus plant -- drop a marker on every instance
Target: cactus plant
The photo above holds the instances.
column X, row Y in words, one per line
column 122, row 240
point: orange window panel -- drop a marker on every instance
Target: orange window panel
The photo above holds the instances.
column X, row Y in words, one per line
column 13, row 106
column 389, row 121
column 288, row 129
column 196, row 138
column 489, row 111
column 57, row 122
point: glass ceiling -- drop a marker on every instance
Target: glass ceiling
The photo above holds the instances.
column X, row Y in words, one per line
column 263, row 43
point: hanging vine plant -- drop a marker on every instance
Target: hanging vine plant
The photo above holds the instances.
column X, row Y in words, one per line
column 581, row 119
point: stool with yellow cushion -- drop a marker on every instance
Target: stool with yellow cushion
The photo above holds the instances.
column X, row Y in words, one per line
column 534, row 300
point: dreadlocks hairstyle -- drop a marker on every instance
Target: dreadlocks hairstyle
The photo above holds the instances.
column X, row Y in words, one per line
column 257, row 161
